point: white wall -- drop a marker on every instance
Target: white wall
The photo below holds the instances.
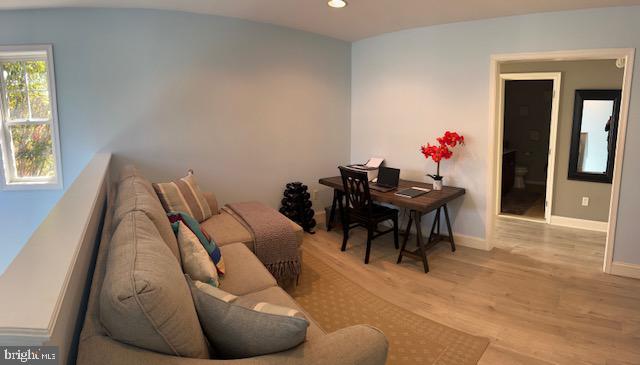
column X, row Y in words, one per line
column 248, row 106
column 409, row 86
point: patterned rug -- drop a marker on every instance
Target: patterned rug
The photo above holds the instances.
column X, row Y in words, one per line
column 336, row 302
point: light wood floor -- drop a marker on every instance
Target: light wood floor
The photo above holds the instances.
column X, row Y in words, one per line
column 539, row 295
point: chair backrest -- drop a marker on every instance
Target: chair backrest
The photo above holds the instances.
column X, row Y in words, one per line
column 356, row 189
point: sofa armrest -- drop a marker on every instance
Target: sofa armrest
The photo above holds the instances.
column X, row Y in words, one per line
column 212, row 201
column 355, row 345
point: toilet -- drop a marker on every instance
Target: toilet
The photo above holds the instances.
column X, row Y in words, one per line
column 521, row 172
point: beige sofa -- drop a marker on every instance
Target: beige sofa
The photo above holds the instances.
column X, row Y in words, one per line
column 245, row 276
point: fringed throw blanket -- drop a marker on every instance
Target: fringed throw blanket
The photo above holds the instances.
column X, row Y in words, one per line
column 274, row 239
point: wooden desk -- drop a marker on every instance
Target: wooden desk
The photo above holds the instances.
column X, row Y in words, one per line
column 418, row 206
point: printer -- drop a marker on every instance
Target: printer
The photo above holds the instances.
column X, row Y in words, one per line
column 371, row 167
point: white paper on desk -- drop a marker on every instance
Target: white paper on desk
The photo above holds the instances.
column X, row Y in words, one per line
column 375, row 162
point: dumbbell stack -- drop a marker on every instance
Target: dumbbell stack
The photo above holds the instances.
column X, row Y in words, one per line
column 296, row 205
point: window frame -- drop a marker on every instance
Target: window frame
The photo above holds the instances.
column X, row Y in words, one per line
column 24, row 53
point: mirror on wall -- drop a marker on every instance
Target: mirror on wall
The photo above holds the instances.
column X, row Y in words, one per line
column 593, row 139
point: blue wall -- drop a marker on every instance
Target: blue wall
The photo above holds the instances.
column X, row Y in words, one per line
column 240, row 102
column 425, row 78
column 20, row 213
column 245, row 103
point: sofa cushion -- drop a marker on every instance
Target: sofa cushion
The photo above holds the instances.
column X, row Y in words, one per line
column 244, row 272
column 145, row 300
column 136, row 194
column 276, row 295
column 184, row 195
column 224, row 228
column 240, row 328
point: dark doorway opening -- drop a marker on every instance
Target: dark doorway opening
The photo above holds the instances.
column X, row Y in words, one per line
column 527, row 124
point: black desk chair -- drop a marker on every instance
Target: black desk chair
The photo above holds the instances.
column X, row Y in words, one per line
column 360, row 211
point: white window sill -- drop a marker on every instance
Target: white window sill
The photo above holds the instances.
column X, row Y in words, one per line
column 31, row 186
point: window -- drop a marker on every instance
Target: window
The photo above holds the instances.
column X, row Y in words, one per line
column 29, row 125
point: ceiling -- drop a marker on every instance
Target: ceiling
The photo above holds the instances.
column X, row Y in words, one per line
column 360, row 19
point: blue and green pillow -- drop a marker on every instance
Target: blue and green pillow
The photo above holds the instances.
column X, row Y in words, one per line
column 207, row 242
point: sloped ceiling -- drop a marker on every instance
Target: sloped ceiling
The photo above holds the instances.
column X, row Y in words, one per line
column 360, row 19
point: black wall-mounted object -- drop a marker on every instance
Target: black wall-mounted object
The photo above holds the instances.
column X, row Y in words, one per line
column 594, row 135
column 297, row 206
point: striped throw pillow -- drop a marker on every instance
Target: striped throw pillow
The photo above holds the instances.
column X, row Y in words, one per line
column 240, row 327
column 263, row 307
column 212, row 291
column 276, row 310
column 184, row 195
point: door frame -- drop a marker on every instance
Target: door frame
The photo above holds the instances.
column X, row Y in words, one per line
column 556, row 77
column 624, row 56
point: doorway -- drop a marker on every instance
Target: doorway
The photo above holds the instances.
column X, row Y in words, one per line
column 528, row 121
column 624, row 58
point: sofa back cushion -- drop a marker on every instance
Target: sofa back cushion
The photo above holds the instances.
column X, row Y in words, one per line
column 145, row 300
column 135, row 193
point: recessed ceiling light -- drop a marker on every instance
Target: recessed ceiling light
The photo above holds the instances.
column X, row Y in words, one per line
column 337, row 3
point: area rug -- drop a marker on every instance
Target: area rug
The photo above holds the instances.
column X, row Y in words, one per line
column 336, row 302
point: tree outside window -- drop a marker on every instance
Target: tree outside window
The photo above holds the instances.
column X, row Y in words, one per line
column 28, row 149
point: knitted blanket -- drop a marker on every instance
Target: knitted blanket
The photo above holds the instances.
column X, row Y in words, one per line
column 274, row 239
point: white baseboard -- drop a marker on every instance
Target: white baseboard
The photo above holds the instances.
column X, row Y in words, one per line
column 625, row 269
column 579, row 223
column 472, row 242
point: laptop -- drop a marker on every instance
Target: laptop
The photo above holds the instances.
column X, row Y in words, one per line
column 388, row 179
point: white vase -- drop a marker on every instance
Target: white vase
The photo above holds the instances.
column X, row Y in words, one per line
column 437, row 184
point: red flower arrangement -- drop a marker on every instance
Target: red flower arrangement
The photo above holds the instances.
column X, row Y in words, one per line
column 442, row 151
